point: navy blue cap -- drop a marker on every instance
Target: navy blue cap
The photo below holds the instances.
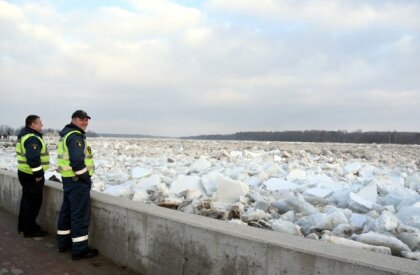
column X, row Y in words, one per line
column 80, row 114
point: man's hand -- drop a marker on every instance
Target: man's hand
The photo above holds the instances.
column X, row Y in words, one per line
column 38, row 179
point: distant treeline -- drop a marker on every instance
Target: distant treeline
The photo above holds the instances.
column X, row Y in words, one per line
column 340, row 136
column 129, row 136
column 5, row 129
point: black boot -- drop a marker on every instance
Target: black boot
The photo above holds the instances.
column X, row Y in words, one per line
column 88, row 253
column 40, row 233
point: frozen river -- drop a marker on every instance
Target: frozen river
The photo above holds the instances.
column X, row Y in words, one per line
column 364, row 196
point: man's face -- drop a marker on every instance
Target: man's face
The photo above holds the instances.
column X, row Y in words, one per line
column 82, row 123
column 37, row 125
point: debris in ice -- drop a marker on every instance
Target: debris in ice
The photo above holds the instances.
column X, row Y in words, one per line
column 172, row 203
column 260, row 224
column 343, row 229
column 255, row 215
column 215, row 213
column 189, row 194
column 187, row 206
column 236, row 211
column 209, row 209
column 286, row 154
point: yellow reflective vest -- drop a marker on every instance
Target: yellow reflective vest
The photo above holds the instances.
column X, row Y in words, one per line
column 21, row 155
column 64, row 157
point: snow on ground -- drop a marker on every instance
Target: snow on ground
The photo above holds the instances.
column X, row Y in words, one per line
column 365, row 196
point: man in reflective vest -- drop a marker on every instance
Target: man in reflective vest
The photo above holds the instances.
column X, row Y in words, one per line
column 33, row 160
column 75, row 164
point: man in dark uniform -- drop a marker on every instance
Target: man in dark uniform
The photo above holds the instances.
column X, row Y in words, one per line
column 75, row 163
column 33, row 160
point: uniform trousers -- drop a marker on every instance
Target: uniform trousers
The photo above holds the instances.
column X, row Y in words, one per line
column 30, row 203
column 74, row 216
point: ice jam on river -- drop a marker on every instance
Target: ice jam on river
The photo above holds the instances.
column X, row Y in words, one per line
column 364, row 196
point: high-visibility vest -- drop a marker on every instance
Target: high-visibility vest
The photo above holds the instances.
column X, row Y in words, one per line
column 21, row 155
column 64, row 157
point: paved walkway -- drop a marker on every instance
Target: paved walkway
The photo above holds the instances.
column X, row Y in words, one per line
column 19, row 255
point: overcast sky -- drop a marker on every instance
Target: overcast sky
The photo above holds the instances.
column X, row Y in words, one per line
column 180, row 68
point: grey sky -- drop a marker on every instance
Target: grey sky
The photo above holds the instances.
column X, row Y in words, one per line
column 212, row 67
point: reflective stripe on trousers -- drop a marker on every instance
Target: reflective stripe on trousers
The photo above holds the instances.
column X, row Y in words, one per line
column 74, row 214
column 80, row 239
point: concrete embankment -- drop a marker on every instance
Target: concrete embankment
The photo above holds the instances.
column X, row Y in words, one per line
column 155, row 240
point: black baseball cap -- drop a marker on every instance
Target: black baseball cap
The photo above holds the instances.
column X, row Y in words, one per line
column 80, row 114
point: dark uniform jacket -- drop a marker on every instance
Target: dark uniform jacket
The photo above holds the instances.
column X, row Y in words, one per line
column 76, row 144
column 33, row 150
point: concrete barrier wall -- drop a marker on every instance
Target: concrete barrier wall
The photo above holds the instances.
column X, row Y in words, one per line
column 155, row 240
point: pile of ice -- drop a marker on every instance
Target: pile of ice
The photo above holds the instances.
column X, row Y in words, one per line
column 365, row 196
